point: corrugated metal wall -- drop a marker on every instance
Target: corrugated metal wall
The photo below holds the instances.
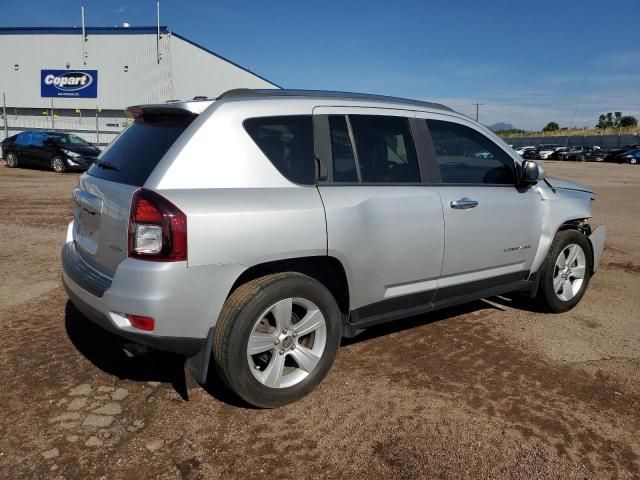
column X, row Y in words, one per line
column 184, row 71
column 197, row 72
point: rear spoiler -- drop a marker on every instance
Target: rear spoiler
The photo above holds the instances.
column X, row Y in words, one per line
column 172, row 107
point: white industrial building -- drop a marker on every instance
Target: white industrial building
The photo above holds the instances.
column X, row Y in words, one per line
column 81, row 80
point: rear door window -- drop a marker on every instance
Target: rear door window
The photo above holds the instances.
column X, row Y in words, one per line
column 287, row 141
column 133, row 155
column 385, row 149
column 38, row 138
column 466, row 156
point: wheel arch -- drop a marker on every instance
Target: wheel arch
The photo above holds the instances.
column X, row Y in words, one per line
column 580, row 225
column 326, row 269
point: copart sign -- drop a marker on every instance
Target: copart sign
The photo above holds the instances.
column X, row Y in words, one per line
column 69, row 83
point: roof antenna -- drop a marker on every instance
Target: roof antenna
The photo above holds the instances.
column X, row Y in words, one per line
column 84, row 37
column 158, row 33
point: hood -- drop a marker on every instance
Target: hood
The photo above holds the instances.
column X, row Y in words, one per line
column 567, row 185
column 86, row 151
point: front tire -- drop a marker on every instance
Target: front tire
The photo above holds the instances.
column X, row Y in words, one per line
column 12, row 160
column 58, row 164
column 566, row 272
column 276, row 338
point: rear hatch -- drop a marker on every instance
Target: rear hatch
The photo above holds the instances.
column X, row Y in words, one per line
column 103, row 196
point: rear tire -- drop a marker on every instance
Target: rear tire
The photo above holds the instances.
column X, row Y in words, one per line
column 566, row 271
column 276, row 338
column 58, row 164
column 12, row 160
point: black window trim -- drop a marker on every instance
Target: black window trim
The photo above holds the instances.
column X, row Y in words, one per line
column 325, row 156
column 432, row 159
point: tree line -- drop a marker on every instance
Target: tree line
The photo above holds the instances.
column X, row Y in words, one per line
column 606, row 120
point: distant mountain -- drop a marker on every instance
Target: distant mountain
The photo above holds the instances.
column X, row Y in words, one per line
column 496, row 127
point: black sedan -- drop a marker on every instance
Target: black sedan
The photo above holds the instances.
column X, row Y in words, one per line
column 615, row 155
column 59, row 151
column 579, row 154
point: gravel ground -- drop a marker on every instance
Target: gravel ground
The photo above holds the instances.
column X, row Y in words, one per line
column 487, row 390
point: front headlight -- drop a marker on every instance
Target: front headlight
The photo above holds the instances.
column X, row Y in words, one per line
column 71, row 154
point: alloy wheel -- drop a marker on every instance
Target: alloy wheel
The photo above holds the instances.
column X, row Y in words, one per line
column 58, row 165
column 287, row 342
column 569, row 271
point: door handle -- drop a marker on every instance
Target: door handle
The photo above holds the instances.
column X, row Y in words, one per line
column 463, row 204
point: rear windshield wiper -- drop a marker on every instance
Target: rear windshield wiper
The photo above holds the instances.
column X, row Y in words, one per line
column 105, row 165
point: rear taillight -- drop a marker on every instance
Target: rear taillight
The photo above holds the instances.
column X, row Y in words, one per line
column 157, row 228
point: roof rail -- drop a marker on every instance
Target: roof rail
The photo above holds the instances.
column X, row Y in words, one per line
column 272, row 93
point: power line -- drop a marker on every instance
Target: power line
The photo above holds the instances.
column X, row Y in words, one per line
column 477, row 108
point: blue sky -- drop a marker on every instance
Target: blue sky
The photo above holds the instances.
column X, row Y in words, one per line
column 527, row 62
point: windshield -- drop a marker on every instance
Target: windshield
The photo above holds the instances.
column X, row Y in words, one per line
column 63, row 139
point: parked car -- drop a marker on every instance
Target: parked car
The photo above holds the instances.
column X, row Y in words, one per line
column 57, row 150
column 579, row 154
column 521, row 150
column 631, row 156
column 531, row 154
column 263, row 226
column 597, row 155
column 560, row 153
column 544, row 151
column 615, row 155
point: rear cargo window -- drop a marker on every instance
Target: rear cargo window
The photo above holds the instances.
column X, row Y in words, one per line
column 288, row 143
column 135, row 153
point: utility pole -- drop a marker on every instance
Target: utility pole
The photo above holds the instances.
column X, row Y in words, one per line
column 158, row 56
column 53, row 122
column 4, row 115
column 477, row 108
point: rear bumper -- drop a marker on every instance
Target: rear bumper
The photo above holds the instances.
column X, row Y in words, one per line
column 184, row 301
column 182, row 345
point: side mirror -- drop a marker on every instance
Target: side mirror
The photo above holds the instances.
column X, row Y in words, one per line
column 532, row 172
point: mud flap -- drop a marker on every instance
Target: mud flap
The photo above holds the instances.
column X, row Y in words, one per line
column 197, row 367
column 597, row 239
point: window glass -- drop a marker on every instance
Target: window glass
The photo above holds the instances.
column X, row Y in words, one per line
column 344, row 163
column 38, row 138
column 288, row 143
column 67, row 139
column 23, row 139
column 134, row 154
column 386, row 153
column 466, row 156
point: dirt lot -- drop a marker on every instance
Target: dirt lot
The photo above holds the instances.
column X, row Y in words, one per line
column 477, row 391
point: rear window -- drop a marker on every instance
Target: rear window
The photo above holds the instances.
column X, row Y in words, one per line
column 137, row 151
column 288, row 143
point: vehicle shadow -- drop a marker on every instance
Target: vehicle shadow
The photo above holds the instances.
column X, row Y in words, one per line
column 519, row 302
column 106, row 351
column 413, row 322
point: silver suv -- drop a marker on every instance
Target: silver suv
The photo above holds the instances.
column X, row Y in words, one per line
column 264, row 225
